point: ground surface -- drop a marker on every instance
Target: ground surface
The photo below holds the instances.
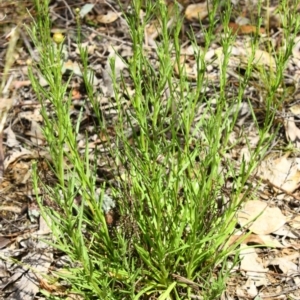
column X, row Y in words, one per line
column 272, row 272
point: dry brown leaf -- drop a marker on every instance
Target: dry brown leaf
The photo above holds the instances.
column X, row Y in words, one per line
column 244, row 29
column 261, row 58
column 153, row 29
column 76, row 95
column 14, row 209
column 51, row 288
column 36, row 133
column 286, row 232
column 285, row 263
column 264, row 240
column 254, row 268
column 90, row 48
column 44, row 228
column 109, row 17
column 11, row 140
column 282, row 172
column 4, row 242
column 292, row 132
column 71, row 67
column 197, row 11
column 20, row 172
column 119, row 65
column 260, row 218
column 295, row 109
column 189, row 68
column 251, row 285
column 240, row 57
column 25, row 281
column 296, row 48
column 295, row 222
column 23, row 153
column 19, row 84
column 5, row 105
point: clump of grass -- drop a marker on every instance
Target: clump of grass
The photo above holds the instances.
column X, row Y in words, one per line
column 171, row 242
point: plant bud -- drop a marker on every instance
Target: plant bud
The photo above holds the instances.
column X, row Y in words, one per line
column 58, row 37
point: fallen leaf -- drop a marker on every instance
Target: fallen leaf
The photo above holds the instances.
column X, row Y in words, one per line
column 87, row 46
column 244, row 29
column 254, row 269
column 109, row 17
column 286, row 232
column 76, row 95
column 295, row 109
column 4, row 242
column 285, row 263
column 261, row 58
column 36, row 133
column 292, row 132
column 86, row 9
column 188, row 66
column 282, row 172
column 107, row 73
column 18, row 83
column 5, row 105
column 23, row 153
column 26, row 275
column 263, row 240
column 296, row 48
column 295, row 222
column 71, row 67
column 260, row 218
column 153, row 29
column 197, row 11
column 11, row 140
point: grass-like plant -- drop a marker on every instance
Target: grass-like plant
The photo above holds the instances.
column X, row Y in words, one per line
column 171, row 241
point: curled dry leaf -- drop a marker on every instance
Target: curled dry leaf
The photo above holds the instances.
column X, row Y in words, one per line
column 260, row 218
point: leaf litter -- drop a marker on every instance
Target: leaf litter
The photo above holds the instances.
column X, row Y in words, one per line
column 267, row 272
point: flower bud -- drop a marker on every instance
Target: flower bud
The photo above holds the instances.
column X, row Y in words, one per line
column 58, row 37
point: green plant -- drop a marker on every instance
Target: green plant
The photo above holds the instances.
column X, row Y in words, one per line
column 175, row 220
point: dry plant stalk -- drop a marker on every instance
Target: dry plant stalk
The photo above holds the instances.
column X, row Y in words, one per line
column 6, row 103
